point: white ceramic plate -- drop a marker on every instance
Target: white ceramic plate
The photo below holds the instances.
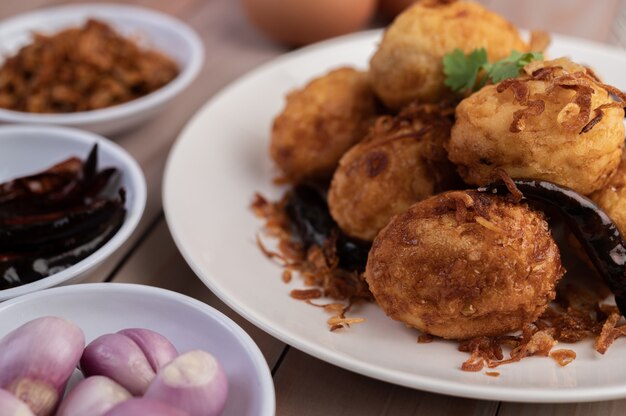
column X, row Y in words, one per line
column 220, row 161
column 26, row 150
column 151, row 28
column 101, row 308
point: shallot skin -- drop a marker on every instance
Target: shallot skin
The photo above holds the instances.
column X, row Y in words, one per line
column 12, row 406
column 159, row 350
column 147, row 407
column 37, row 359
column 118, row 357
column 93, row 396
column 194, row 382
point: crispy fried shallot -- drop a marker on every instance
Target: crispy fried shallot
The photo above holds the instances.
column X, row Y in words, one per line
column 81, row 69
column 563, row 356
column 318, row 266
column 516, row 195
column 521, row 92
column 609, row 333
column 575, row 115
column 306, row 294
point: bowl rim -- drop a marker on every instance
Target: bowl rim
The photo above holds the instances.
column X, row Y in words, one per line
column 134, row 211
column 266, row 384
column 189, row 70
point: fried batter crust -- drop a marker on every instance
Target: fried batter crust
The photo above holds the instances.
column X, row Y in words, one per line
column 462, row 264
column 612, row 198
column 545, row 148
column 400, row 162
column 320, row 122
column 408, row 63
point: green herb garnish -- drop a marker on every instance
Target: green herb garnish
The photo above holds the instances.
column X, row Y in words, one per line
column 462, row 71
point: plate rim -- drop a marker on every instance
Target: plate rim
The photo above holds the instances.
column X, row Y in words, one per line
column 338, row 358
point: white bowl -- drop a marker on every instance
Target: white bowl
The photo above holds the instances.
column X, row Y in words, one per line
column 31, row 149
column 153, row 29
column 101, row 308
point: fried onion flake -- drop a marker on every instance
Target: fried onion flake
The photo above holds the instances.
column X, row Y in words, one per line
column 316, row 266
column 577, row 115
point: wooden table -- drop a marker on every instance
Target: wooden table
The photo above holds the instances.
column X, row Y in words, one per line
column 304, row 385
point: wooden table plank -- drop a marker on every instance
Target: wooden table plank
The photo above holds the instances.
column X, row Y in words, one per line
column 306, row 386
column 607, row 408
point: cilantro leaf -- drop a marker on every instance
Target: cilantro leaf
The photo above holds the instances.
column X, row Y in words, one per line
column 461, row 71
column 510, row 67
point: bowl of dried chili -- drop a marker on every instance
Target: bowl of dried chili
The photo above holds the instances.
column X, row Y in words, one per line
column 68, row 200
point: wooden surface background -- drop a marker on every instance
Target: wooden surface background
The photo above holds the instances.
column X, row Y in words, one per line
column 304, row 385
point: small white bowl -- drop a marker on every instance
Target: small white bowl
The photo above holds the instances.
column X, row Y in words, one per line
column 31, row 149
column 101, row 308
column 153, row 29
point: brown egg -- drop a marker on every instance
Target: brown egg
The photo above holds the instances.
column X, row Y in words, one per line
column 306, row 21
column 392, row 8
